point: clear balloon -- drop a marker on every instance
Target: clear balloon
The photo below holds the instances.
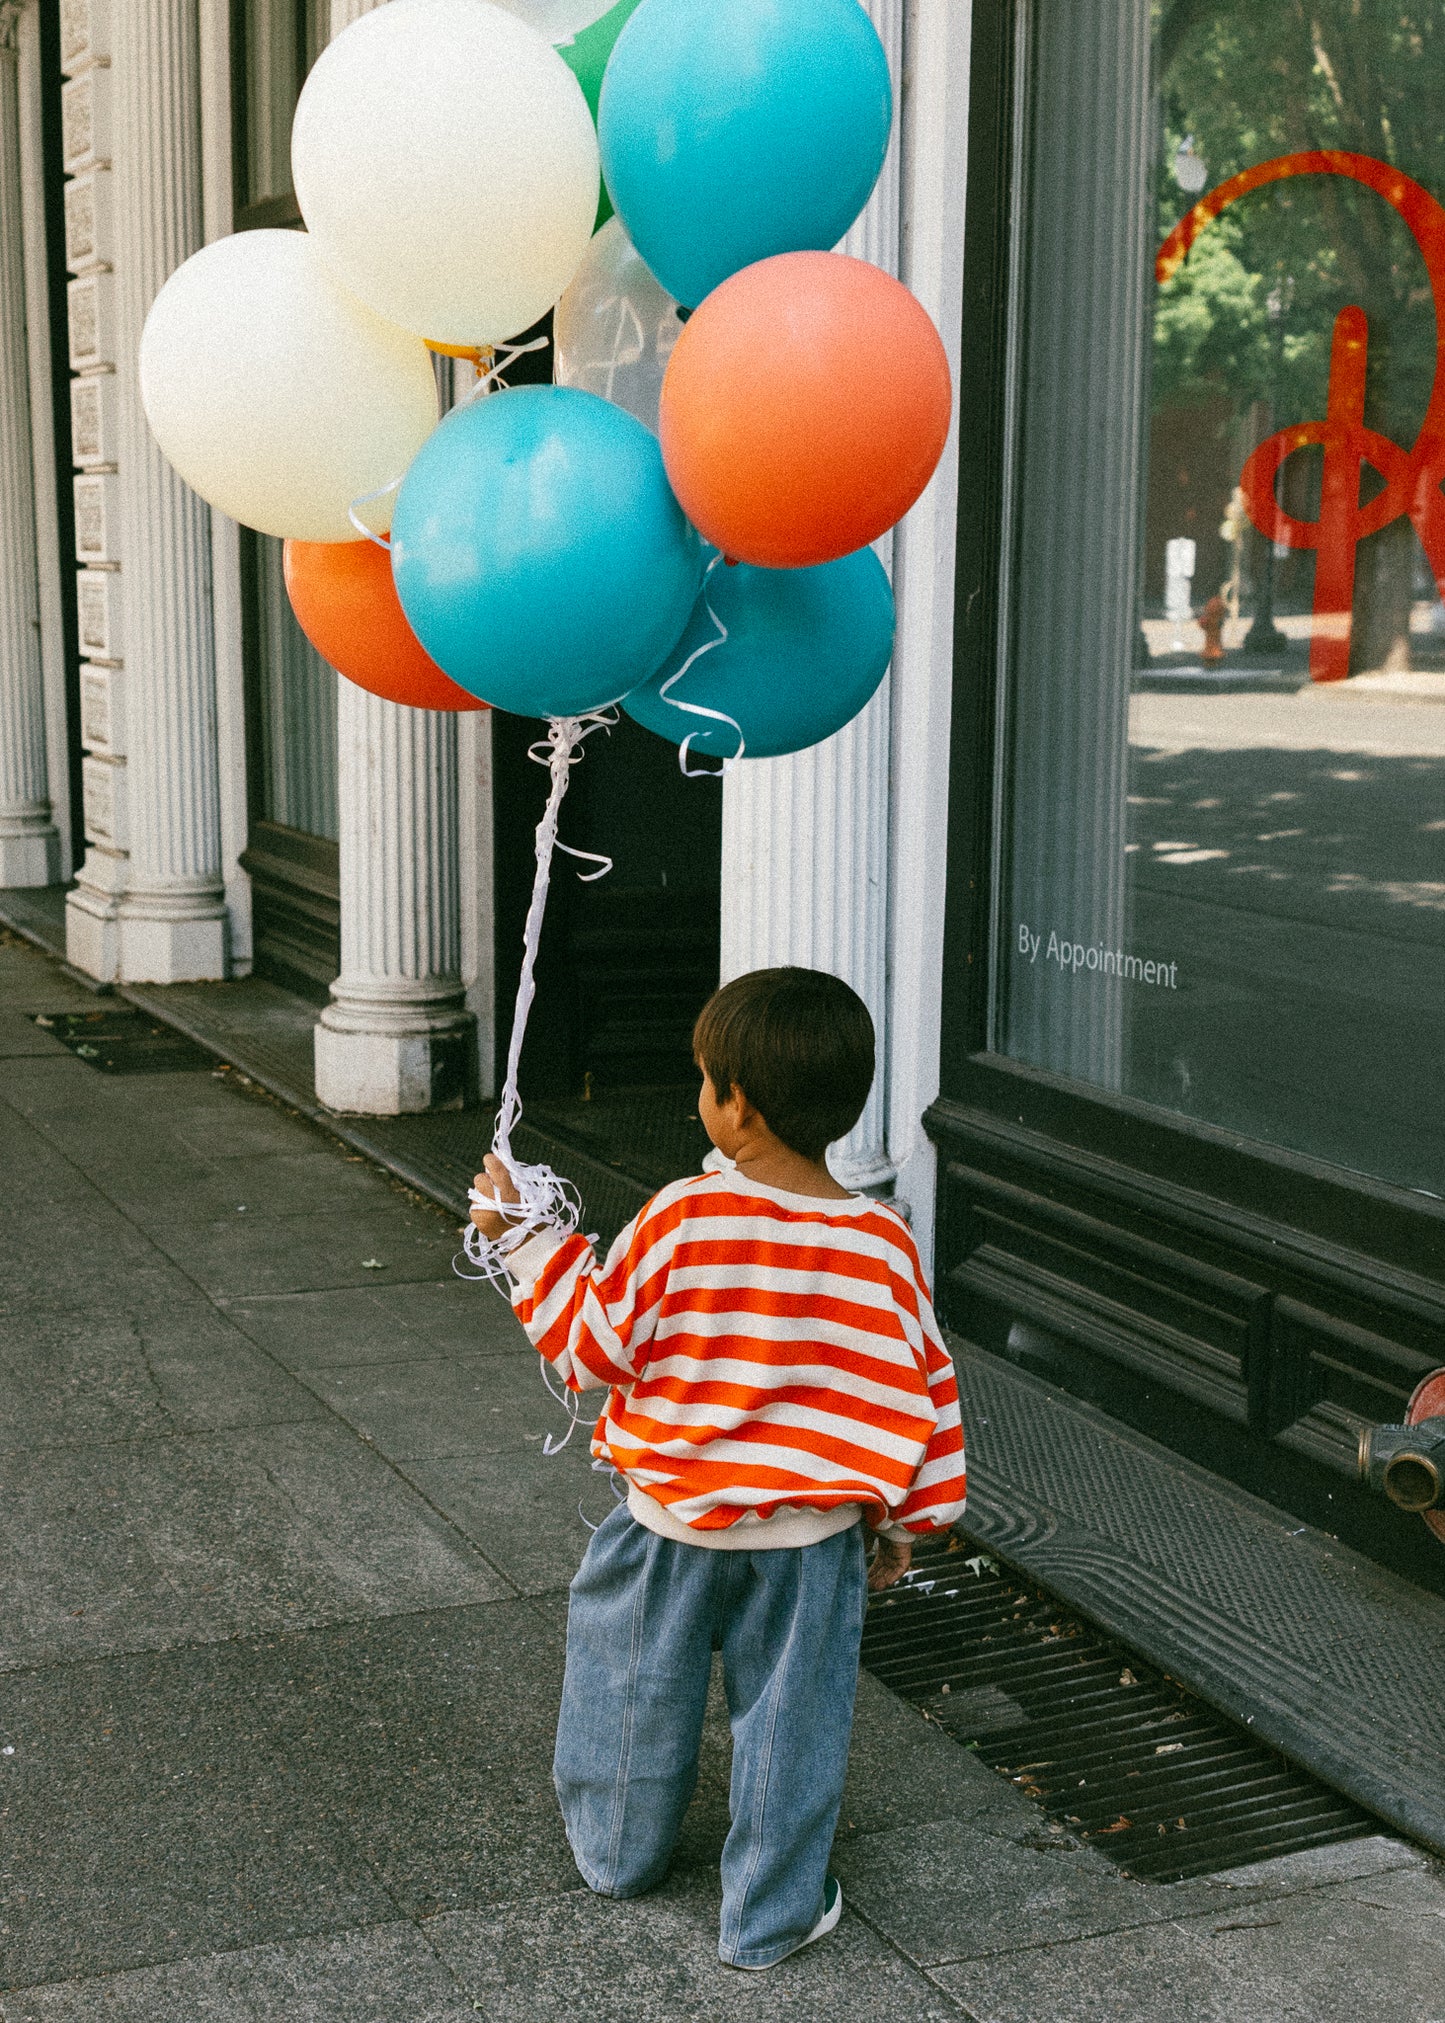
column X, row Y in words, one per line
column 558, row 20
column 279, row 397
column 445, row 162
column 615, row 327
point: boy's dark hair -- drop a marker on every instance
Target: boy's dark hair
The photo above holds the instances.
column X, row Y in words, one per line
column 799, row 1044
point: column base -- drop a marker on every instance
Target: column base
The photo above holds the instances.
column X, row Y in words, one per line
column 866, row 1172
column 30, row 857
column 166, row 939
column 92, row 933
column 393, row 1074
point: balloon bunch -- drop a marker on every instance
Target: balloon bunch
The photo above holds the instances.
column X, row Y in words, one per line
column 719, row 372
column 722, row 379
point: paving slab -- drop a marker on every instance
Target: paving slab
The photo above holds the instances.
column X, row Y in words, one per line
column 384, row 1974
column 306, row 1253
column 170, row 1803
column 1373, row 1947
column 263, row 1185
column 173, row 1366
column 379, row 1323
column 157, row 1542
column 945, row 1890
column 448, row 1407
column 654, row 1960
column 527, row 1510
column 1160, row 1973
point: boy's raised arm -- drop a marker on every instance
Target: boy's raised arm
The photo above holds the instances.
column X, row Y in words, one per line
column 593, row 1323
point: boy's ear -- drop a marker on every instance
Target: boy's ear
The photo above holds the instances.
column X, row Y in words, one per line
column 743, row 1111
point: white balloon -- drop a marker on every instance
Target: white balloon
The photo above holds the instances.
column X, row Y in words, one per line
column 615, row 327
column 276, row 395
column 446, row 165
column 559, row 20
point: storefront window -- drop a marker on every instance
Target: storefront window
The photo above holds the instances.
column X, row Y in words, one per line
column 1221, row 882
column 273, row 45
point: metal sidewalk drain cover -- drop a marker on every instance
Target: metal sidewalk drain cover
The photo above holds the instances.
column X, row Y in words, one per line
column 1104, row 1743
column 124, row 1042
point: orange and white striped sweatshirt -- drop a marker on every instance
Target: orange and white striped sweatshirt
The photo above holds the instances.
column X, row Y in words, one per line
column 773, row 1364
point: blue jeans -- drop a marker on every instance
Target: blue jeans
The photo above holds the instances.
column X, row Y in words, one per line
column 645, row 1617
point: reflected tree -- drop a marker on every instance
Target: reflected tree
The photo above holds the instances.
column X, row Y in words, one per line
column 1251, row 82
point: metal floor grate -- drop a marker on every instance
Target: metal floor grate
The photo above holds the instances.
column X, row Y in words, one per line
column 1105, row 1743
column 124, row 1042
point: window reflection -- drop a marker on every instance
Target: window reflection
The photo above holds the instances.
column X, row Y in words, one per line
column 1274, row 679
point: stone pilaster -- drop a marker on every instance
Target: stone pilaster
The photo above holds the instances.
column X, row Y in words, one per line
column 397, row 1035
column 805, row 838
column 172, row 914
column 29, row 843
column 92, row 920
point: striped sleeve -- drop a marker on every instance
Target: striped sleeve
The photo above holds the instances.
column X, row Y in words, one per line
column 591, row 1323
column 936, row 1497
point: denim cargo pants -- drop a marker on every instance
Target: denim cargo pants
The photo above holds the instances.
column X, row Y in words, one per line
column 645, row 1617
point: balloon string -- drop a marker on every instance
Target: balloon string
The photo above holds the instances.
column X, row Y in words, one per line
column 489, row 369
column 545, row 1200
column 365, row 500
column 664, row 694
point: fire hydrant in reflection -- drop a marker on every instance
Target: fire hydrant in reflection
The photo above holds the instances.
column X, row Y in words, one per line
column 1211, row 620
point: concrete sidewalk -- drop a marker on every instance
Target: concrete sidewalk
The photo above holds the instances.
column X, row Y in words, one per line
column 282, row 1583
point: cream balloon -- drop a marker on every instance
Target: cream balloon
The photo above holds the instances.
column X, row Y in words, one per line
column 279, row 397
column 446, row 165
column 559, row 20
column 615, row 327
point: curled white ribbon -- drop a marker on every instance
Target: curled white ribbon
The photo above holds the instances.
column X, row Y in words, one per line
column 544, row 1199
column 664, row 694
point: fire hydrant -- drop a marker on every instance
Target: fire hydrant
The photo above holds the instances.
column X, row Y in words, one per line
column 1407, row 1463
column 1211, row 620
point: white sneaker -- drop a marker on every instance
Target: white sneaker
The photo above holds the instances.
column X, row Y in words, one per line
column 832, row 1911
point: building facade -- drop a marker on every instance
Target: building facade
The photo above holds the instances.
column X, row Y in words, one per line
column 1136, row 857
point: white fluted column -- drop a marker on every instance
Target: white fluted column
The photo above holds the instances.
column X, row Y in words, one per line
column 805, row 838
column 171, row 917
column 29, row 844
column 397, row 1035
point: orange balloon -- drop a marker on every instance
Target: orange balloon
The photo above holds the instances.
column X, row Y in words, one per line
column 804, row 409
column 346, row 604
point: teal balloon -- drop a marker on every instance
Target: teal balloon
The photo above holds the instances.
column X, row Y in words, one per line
column 735, row 129
column 805, row 649
column 539, row 554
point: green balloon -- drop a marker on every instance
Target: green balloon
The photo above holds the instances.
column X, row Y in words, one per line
column 586, row 55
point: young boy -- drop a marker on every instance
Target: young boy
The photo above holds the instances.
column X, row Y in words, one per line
column 777, row 1391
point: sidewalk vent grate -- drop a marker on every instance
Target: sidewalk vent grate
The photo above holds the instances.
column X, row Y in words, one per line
column 1109, row 1746
column 124, row 1042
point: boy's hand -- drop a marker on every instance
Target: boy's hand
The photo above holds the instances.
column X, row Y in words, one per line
column 891, row 1560
column 497, row 1182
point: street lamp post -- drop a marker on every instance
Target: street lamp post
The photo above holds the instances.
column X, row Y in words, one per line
column 1264, row 636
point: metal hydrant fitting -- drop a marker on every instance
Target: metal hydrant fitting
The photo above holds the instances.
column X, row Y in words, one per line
column 1407, row 1463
